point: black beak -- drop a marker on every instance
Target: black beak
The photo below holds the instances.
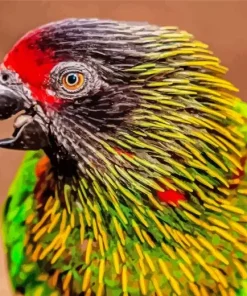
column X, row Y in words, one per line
column 10, row 103
column 29, row 134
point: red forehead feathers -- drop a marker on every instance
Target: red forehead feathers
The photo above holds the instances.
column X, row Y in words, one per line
column 32, row 64
column 29, row 61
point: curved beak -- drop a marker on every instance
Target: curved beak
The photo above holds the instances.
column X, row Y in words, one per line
column 10, row 102
column 28, row 133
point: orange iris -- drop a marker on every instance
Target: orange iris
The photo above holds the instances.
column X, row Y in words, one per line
column 73, row 81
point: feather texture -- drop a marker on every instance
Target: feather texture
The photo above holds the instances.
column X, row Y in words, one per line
column 156, row 204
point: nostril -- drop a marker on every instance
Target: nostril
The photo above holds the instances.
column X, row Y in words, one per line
column 5, row 77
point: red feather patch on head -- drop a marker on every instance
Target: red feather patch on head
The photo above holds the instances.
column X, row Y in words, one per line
column 32, row 64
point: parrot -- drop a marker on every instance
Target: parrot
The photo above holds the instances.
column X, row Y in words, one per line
column 134, row 180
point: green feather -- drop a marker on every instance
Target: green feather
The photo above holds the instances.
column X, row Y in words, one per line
column 19, row 205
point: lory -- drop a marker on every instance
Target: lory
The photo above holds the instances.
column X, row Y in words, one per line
column 135, row 179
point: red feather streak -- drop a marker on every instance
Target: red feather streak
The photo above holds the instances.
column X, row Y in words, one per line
column 170, row 196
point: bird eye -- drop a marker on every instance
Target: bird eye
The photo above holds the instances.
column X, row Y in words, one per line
column 73, row 81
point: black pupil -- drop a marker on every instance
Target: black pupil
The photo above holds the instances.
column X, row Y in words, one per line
column 72, row 79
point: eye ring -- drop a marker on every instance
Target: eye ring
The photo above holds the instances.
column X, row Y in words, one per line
column 73, row 81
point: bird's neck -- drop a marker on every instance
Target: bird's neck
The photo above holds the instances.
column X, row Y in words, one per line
column 61, row 163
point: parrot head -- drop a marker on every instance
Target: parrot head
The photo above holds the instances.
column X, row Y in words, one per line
column 71, row 83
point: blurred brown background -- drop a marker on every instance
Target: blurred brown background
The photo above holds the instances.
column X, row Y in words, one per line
column 221, row 24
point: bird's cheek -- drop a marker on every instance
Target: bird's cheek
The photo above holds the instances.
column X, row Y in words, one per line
column 43, row 96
